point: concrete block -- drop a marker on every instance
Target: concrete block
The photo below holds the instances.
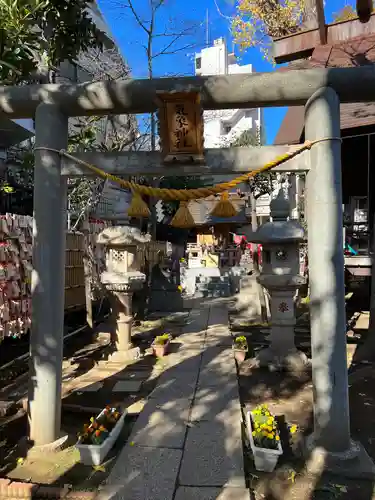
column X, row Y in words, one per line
column 193, row 493
column 91, row 388
column 185, row 360
column 162, row 425
column 212, row 457
column 197, row 321
column 218, row 358
column 175, row 388
column 216, row 378
column 127, row 386
column 211, row 404
column 218, row 341
column 218, row 316
column 123, row 375
column 143, row 473
column 191, row 340
column 174, row 376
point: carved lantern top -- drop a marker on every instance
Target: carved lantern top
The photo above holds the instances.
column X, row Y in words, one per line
column 280, row 230
column 122, row 236
column 123, row 244
column 180, row 127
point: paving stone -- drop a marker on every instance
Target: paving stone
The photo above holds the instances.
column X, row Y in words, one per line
column 90, row 388
column 189, row 378
column 211, row 404
column 124, row 375
column 216, row 341
column 186, row 360
column 220, row 330
column 162, row 425
column 193, row 493
column 216, row 378
column 218, row 316
column 218, row 358
column 143, row 473
column 212, row 456
column 175, row 388
column 137, row 407
column 197, row 322
column 191, row 340
column 127, row 386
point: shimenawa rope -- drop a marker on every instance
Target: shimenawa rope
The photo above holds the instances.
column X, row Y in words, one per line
column 189, row 194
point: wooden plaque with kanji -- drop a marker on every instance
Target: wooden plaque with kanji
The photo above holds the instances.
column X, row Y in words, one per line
column 181, row 127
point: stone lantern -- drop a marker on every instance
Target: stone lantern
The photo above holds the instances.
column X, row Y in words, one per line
column 122, row 278
column 280, row 276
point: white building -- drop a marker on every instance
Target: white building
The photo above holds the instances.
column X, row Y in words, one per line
column 221, row 128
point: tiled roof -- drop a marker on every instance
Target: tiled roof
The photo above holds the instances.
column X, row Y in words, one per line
column 358, row 51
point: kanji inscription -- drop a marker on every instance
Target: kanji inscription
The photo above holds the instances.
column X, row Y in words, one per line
column 283, row 307
column 181, row 127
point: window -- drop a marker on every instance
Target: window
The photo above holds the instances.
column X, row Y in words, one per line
column 198, row 63
column 227, row 129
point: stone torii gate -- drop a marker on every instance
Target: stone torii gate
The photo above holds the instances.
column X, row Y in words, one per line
column 321, row 91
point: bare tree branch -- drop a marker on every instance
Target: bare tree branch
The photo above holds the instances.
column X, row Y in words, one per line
column 165, row 52
column 137, row 18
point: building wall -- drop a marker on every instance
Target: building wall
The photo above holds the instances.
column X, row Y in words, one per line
column 221, row 128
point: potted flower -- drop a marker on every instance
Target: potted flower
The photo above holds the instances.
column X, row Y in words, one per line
column 240, row 348
column 160, row 345
column 98, row 436
column 264, row 438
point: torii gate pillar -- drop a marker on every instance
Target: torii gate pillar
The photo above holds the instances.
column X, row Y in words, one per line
column 331, row 437
column 48, row 278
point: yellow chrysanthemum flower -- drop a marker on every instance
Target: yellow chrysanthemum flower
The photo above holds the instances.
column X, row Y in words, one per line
column 293, row 429
column 277, row 438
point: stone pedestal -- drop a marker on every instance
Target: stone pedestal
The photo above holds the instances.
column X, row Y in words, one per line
column 280, row 239
column 121, row 287
column 122, row 312
column 122, row 278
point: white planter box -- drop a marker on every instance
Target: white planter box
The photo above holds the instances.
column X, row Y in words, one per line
column 265, row 460
column 94, row 454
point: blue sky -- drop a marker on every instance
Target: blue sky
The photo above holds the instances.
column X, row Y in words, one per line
column 130, row 38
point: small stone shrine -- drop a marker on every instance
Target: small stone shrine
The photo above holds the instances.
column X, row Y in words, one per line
column 122, row 278
column 280, row 276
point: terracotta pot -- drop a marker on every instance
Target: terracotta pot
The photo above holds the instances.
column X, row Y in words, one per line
column 240, row 354
column 160, row 350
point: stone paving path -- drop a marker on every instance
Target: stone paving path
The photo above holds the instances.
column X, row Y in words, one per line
column 186, row 443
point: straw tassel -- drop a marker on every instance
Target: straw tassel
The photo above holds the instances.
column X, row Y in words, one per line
column 224, row 207
column 138, row 207
column 183, row 217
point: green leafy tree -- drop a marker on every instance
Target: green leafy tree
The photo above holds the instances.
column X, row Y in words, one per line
column 35, row 37
column 38, row 35
column 345, row 14
column 262, row 183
